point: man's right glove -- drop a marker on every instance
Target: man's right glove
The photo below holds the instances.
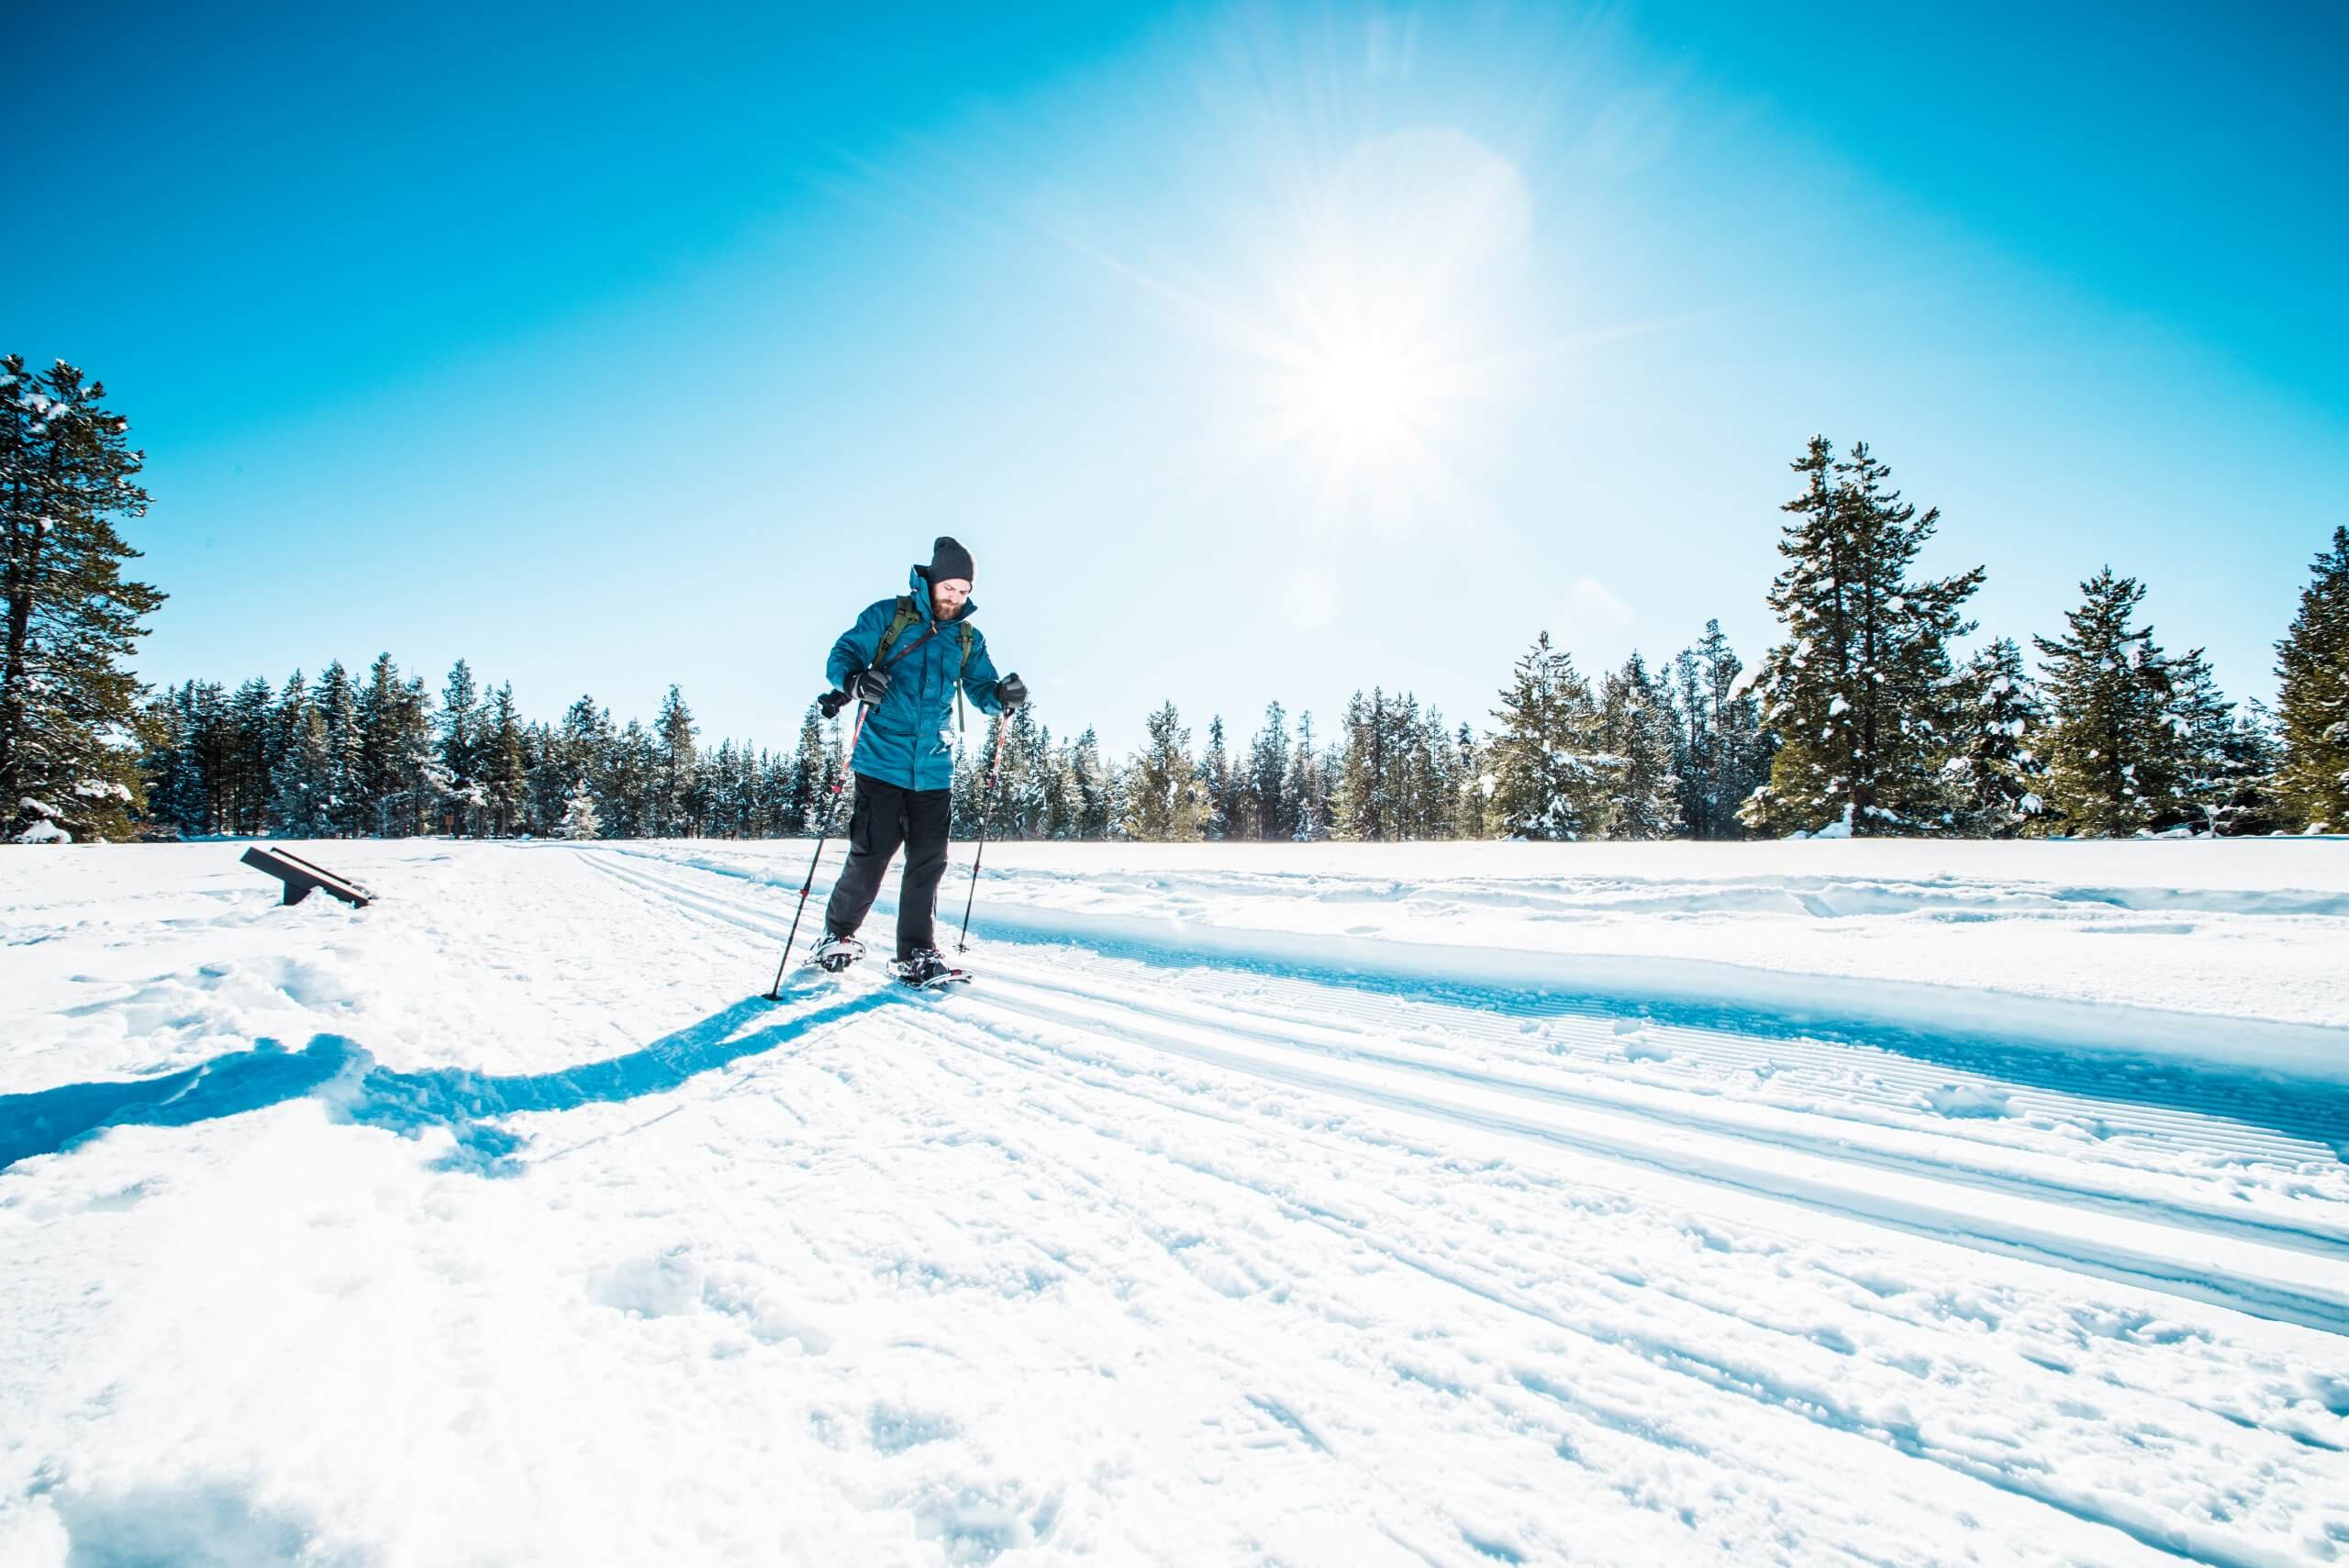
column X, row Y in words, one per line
column 1011, row 691
column 869, row 686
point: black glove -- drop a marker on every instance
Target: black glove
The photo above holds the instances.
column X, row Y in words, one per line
column 869, row 686
column 1011, row 691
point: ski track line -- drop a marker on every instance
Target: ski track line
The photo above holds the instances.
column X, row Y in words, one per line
column 1893, row 1081
column 1023, row 1059
column 1643, row 1345
column 1918, row 1212
column 1904, row 1203
column 1652, row 1351
column 2320, row 1241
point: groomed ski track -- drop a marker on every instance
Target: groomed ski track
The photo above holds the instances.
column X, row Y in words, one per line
column 1976, row 1196
column 1123, row 1254
column 1070, row 1013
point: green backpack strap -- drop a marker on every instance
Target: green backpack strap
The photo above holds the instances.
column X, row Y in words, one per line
column 906, row 615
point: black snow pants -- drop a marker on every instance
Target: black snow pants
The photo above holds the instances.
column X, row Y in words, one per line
column 885, row 817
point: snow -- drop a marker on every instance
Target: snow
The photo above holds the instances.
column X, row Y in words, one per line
column 1328, row 1204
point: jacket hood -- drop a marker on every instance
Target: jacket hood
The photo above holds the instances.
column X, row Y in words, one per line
column 917, row 580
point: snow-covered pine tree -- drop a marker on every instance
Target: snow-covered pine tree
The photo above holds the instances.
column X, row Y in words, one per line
column 338, row 704
column 810, row 781
column 504, row 774
column 302, row 791
column 1996, row 773
column 673, row 732
column 1025, row 786
column 174, row 783
column 1216, row 786
column 1860, row 695
column 1162, row 796
column 1547, row 782
column 566, row 754
column 1434, row 771
column 1306, row 793
column 2111, row 752
column 1055, row 791
column 69, row 618
column 460, row 733
column 1637, row 729
column 251, row 719
column 2312, row 697
column 2249, row 799
column 1359, row 808
column 1091, row 783
column 380, row 702
column 1719, row 750
column 578, row 819
column 2226, row 777
column 629, row 803
column 1472, row 788
column 1268, row 814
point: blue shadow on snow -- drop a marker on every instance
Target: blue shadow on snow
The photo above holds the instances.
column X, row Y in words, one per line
column 345, row 1075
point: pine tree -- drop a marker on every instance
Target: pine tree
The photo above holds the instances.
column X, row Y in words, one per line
column 2249, row 797
column 1163, row 800
column 1860, row 694
column 1548, row 782
column 69, row 619
column 629, row 803
column 670, row 815
column 1996, row 774
column 2113, row 754
column 1472, row 789
column 1217, row 788
column 1096, row 805
column 810, row 785
column 578, row 819
column 461, row 736
column 504, row 773
column 338, row 705
column 2224, row 768
column 1267, row 813
column 251, row 719
column 1636, row 730
column 302, row 794
column 174, row 781
column 380, row 701
column 1719, row 752
column 2312, row 697
column 1360, row 809
column 1308, row 790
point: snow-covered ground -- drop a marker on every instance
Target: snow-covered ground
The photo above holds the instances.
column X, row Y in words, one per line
column 1339, row 1205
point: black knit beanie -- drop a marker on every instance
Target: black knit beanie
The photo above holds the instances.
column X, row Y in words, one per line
column 948, row 558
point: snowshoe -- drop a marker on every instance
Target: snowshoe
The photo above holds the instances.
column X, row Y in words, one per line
column 928, row 970
column 834, row 954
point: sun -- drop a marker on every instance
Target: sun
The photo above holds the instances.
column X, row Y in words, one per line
column 1361, row 392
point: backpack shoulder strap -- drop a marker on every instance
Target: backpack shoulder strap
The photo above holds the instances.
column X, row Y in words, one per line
column 906, row 615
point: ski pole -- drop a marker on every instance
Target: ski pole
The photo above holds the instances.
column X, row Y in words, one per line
column 986, row 798
column 775, row 994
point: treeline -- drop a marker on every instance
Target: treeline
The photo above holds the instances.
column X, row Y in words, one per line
column 1866, row 717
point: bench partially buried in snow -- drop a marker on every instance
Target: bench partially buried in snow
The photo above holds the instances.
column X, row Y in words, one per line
column 300, row 876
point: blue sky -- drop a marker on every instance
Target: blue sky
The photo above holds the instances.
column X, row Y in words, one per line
column 1256, row 352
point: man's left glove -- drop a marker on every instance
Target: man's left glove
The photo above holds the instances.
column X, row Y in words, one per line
column 1011, row 691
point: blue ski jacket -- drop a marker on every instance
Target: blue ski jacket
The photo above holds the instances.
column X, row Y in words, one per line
column 908, row 737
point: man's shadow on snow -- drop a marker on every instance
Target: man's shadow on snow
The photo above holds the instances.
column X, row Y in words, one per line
column 345, row 1075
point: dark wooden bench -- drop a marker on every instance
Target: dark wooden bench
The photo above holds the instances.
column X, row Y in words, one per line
column 300, row 876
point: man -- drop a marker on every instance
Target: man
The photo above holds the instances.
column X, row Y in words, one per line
column 907, row 660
